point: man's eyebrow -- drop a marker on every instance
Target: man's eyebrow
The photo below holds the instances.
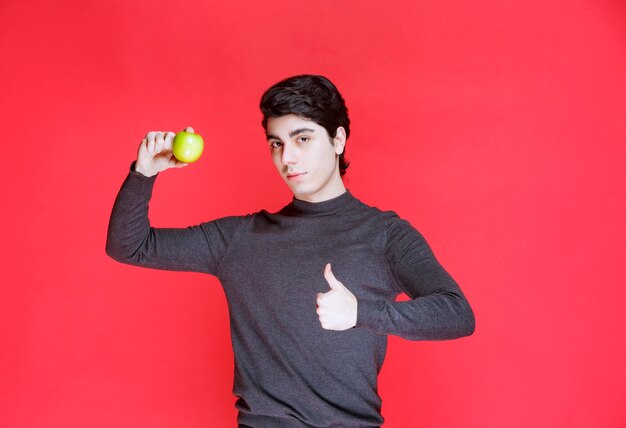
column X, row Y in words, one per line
column 292, row 133
column 300, row 131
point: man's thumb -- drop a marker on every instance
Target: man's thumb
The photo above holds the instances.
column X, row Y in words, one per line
column 330, row 277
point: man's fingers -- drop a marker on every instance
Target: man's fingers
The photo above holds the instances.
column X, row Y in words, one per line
column 159, row 142
column 175, row 163
column 169, row 137
column 150, row 138
column 318, row 298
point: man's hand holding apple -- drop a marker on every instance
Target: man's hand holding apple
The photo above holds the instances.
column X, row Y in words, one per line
column 155, row 153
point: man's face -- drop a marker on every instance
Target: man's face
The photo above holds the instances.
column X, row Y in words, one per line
column 306, row 157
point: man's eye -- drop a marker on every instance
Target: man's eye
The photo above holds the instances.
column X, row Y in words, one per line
column 275, row 144
column 303, row 139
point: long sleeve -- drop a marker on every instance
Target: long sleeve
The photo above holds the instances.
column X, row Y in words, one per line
column 438, row 309
column 131, row 239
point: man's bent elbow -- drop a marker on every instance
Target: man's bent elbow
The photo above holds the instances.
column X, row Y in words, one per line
column 116, row 252
column 469, row 322
column 110, row 251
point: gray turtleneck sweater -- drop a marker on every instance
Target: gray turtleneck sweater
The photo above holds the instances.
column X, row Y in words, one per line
column 289, row 371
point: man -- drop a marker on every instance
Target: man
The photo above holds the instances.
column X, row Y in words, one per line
column 311, row 288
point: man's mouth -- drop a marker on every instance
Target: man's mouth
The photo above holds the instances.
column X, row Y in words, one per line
column 295, row 175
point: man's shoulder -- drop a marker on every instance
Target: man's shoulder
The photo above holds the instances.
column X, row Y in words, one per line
column 382, row 214
column 389, row 221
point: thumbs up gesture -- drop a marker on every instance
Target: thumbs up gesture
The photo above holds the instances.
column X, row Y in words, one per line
column 337, row 308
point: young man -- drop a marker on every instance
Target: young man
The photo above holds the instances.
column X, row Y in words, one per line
column 311, row 288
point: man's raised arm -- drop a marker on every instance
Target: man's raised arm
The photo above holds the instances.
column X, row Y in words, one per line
column 131, row 239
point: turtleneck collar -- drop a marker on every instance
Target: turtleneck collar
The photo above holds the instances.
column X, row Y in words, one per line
column 331, row 206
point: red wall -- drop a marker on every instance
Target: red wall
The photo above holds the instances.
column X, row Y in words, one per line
column 497, row 128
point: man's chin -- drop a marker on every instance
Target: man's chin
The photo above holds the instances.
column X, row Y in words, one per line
column 297, row 188
column 300, row 192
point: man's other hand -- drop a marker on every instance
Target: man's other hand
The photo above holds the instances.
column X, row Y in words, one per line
column 337, row 308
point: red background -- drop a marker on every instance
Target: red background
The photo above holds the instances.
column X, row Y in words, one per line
column 497, row 128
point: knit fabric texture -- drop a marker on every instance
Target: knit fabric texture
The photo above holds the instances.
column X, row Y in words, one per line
column 289, row 371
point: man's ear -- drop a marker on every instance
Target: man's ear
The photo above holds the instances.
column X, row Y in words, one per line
column 339, row 141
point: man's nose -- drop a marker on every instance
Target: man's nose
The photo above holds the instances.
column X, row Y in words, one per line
column 288, row 155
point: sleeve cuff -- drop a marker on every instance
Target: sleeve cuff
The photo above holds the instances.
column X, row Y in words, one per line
column 138, row 183
column 132, row 170
column 138, row 174
column 368, row 313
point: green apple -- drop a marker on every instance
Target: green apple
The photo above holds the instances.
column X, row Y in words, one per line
column 187, row 146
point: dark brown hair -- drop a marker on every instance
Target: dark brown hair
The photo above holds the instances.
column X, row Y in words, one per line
column 312, row 97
